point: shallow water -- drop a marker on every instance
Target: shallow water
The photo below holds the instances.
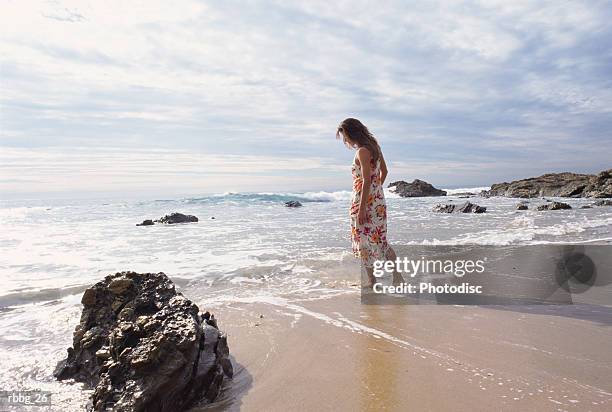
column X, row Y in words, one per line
column 254, row 248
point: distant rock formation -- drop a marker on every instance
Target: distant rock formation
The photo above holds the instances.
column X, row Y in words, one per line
column 417, row 188
column 293, row 203
column 557, row 185
column 142, row 346
column 466, row 207
column 176, row 218
column 554, row 206
column 600, row 186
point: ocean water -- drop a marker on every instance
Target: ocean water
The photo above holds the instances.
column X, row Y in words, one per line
column 255, row 248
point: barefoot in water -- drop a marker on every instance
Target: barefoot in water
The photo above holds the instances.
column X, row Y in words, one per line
column 397, row 279
column 370, row 283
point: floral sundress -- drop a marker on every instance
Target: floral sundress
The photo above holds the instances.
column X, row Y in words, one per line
column 369, row 241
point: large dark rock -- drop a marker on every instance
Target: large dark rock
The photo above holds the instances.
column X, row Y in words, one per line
column 146, row 222
column 466, row 207
column 417, row 188
column 142, row 346
column 177, row 218
column 522, row 206
column 556, row 184
column 554, row 206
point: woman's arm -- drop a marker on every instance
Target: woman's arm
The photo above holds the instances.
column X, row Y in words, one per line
column 363, row 155
column 383, row 169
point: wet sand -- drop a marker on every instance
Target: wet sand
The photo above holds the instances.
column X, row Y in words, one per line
column 337, row 354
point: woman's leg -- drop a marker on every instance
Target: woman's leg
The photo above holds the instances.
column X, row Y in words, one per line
column 367, row 263
column 391, row 255
column 371, row 277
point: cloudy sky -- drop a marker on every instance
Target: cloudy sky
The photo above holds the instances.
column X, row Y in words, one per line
column 192, row 97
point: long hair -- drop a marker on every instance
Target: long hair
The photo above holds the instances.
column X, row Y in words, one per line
column 354, row 134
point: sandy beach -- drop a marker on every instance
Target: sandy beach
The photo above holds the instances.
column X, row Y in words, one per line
column 336, row 354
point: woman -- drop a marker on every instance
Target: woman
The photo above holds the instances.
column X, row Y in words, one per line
column 368, row 210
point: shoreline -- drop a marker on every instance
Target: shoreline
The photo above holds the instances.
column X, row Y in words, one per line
column 336, row 354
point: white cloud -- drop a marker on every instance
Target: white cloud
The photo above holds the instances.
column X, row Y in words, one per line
column 272, row 79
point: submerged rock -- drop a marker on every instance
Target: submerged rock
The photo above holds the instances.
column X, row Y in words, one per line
column 142, row 346
column 147, row 222
column 177, row 218
column 466, row 207
column 554, row 206
column 293, row 203
column 522, row 206
column 417, row 188
column 556, row 184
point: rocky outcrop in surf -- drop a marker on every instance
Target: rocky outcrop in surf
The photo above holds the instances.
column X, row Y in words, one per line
column 142, row 346
column 418, row 188
column 466, row 207
column 176, row 218
column 293, row 203
column 557, row 185
column 554, row 206
column 170, row 219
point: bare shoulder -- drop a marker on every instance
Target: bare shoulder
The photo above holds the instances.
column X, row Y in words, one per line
column 363, row 153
